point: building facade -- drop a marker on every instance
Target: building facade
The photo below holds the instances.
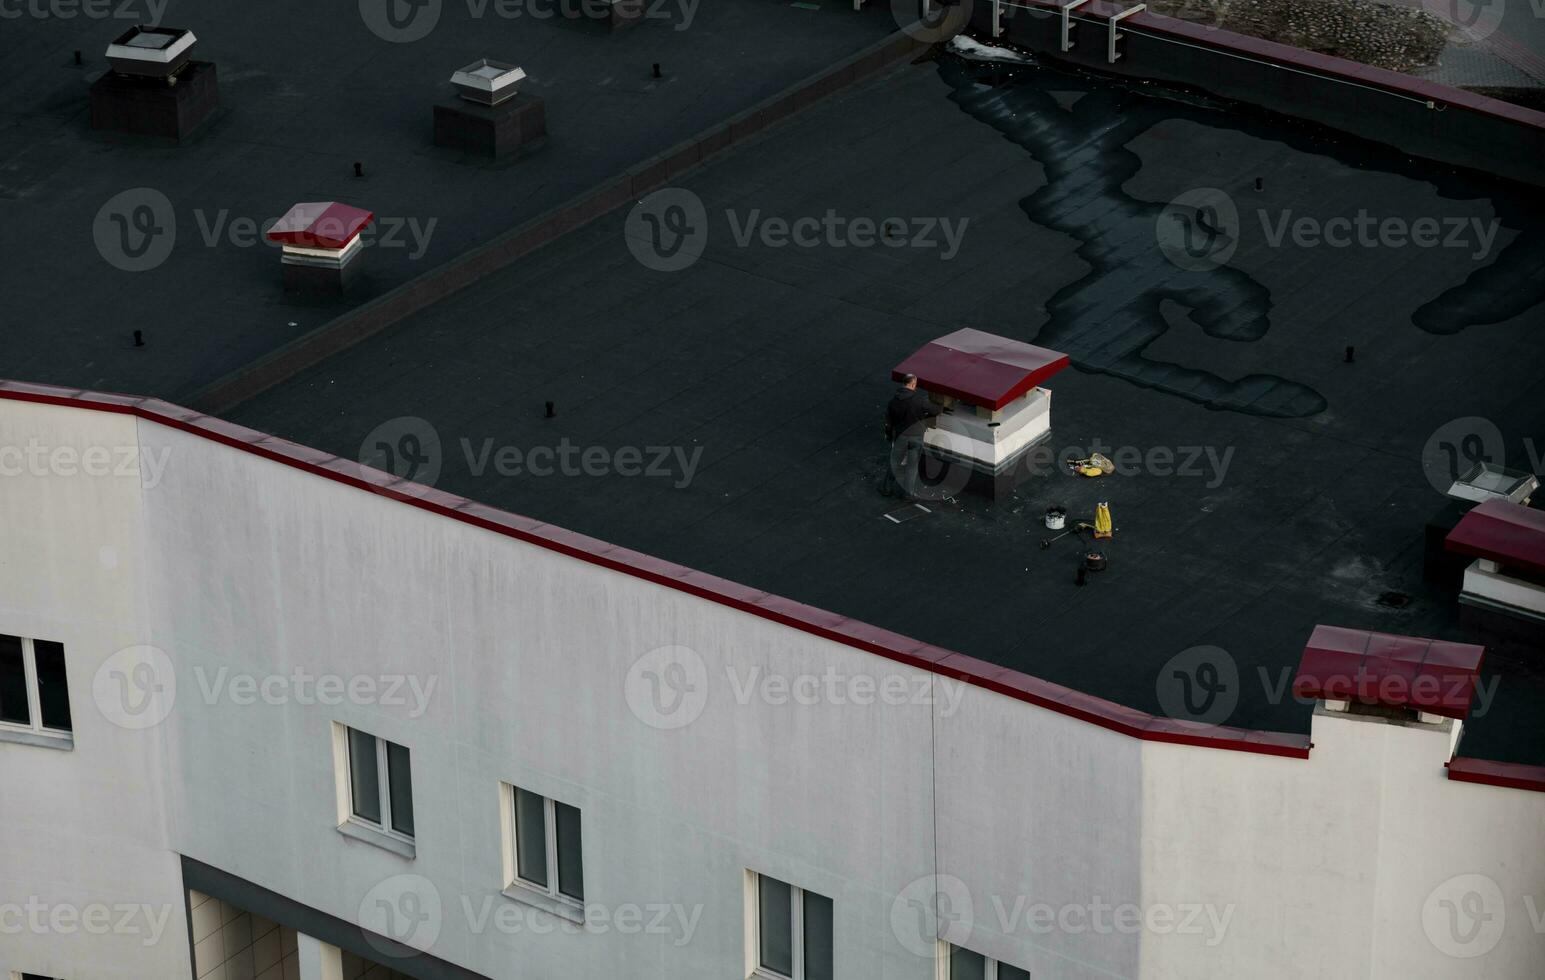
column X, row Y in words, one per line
column 323, row 723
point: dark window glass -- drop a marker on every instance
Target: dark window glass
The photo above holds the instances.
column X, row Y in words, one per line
column 364, row 776
column 1006, row 972
column 571, row 872
column 53, row 693
column 818, row 937
column 399, row 787
column 775, row 912
column 530, row 838
column 966, row 965
column 13, row 682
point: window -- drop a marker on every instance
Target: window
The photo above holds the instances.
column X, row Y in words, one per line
column 545, row 846
column 962, row 964
column 34, row 696
column 380, row 784
column 790, row 931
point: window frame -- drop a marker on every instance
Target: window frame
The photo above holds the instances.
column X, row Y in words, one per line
column 383, row 786
column 34, row 726
column 552, row 889
column 757, row 971
column 945, row 971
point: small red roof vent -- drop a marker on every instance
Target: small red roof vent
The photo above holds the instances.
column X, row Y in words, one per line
column 980, row 368
column 1509, row 534
column 1434, row 676
column 320, row 224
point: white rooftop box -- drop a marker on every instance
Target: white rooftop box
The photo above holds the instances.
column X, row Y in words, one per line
column 152, row 52
column 488, row 82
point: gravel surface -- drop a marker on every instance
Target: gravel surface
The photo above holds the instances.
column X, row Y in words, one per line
column 1398, row 38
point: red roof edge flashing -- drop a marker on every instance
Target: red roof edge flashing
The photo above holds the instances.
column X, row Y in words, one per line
column 831, row 626
column 1511, row 775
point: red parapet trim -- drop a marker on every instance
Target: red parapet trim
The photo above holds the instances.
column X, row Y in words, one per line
column 1116, row 717
column 1300, row 59
column 808, row 619
column 1512, row 775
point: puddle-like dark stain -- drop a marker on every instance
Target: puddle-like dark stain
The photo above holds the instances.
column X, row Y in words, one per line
column 1106, row 319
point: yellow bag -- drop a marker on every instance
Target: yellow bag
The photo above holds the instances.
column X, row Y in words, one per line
column 1102, row 524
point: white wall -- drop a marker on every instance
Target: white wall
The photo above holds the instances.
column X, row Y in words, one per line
column 83, row 831
column 240, row 563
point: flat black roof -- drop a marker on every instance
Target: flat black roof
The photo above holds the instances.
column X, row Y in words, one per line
column 1293, row 493
column 306, row 91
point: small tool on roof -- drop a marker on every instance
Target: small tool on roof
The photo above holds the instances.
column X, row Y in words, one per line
column 1096, row 465
column 1046, row 542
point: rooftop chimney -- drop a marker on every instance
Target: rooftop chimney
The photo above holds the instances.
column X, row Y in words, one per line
column 488, row 82
column 151, row 52
column 1487, row 482
column 1504, row 588
column 1382, row 675
column 155, row 87
column 492, row 118
column 995, row 409
column 322, row 242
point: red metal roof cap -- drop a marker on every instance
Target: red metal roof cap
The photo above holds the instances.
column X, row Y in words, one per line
column 1511, row 534
column 320, row 224
column 980, row 368
column 1434, row 676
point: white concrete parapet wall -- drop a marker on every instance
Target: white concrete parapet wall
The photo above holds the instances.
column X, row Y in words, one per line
column 848, row 774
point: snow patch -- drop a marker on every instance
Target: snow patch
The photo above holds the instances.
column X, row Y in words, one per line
column 977, row 51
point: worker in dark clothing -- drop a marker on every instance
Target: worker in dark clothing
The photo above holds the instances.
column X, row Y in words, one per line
column 906, row 418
